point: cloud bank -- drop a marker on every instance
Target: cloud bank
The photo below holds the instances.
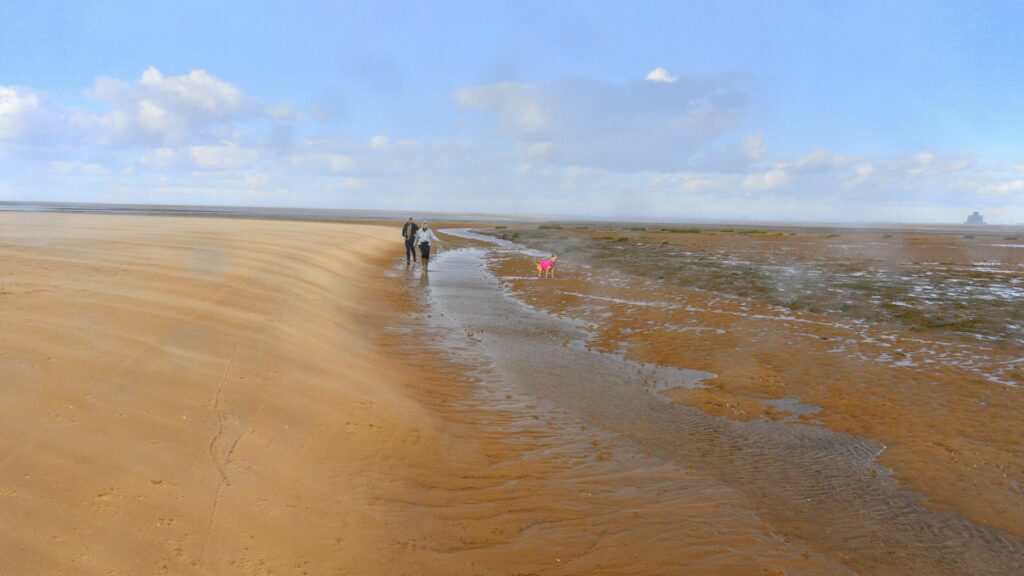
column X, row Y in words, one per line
column 661, row 146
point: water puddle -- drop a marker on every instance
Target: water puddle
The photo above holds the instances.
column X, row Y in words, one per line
column 795, row 408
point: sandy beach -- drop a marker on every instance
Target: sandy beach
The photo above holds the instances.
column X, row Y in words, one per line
column 249, row 396
column 188, row 395
column 214, row 396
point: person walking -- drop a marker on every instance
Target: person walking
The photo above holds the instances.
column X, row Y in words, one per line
column 409, row 233
column 424, row 238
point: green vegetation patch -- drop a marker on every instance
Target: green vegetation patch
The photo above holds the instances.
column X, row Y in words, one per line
column 957, row 301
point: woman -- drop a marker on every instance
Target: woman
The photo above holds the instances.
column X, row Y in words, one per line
column 423, row 238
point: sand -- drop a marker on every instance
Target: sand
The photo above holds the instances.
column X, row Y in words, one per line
column 193, row 395
column 217, row 396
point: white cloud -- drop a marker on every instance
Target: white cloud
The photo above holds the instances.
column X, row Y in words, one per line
column 223, row 157
column 754, row 147
column 862, row 176
column 926, row 163
column 920, row 163
column 538, row 151
column 321, row 113
column 16, row 106
column 158, row 157
column 516, row 104
column 351, row 184
column 74, row 167
column 280, row 112
column 816, row 161
column 322, row 162
column 198, row 89
column 255, row 181
column 152, row 117
column 660, row 75
column 62, row 167
column 161, row 109
column 773, row 178
column 572, row 146
column 380, row 142
column 626, row 127
column 1001, row 188
column 691, row 181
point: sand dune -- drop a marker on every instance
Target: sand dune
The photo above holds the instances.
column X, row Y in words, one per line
column 193, row 394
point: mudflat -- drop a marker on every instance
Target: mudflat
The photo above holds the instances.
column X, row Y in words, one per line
column 911, row 338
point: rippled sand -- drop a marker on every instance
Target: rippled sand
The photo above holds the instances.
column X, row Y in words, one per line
column 196, row 396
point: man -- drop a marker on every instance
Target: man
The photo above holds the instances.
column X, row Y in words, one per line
column 409, row 233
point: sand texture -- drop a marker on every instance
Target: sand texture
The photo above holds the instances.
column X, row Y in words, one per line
column 191, row 395
column 214, row 396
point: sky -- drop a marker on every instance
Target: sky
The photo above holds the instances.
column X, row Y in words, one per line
column 826, row 111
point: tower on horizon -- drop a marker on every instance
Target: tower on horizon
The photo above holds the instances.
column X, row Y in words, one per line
column 975, row 218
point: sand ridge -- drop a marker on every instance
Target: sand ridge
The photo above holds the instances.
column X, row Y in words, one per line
column 194, row 396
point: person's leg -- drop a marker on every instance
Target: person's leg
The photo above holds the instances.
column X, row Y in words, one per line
column 410, row 251
column 425, row 253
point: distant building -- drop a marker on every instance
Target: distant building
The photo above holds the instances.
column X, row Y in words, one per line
column 975, row 219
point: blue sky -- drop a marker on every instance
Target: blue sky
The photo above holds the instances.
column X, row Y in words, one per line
column 856, row 111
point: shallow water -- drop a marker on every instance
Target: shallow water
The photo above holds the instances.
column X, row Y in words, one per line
column 810, row 483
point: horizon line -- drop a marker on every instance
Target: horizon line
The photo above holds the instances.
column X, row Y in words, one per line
column 370, row 213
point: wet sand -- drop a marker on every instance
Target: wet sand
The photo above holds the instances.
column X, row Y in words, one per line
column 224, row 396
column 947, row 433
column 945, row 405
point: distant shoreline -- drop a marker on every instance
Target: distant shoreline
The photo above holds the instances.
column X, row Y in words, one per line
column 253, row 212
column 343, row 214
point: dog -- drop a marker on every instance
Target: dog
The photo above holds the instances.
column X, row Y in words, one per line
column 547, row 267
